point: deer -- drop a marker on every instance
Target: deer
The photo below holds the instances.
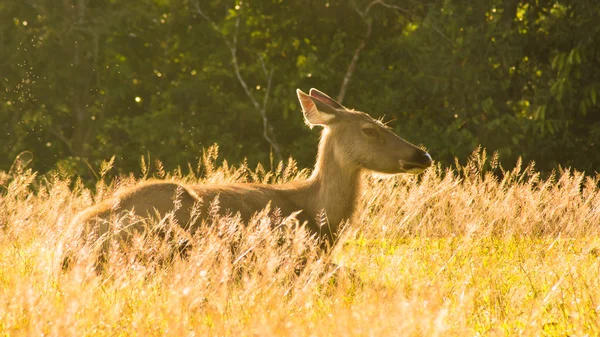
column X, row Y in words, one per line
column 351, row 143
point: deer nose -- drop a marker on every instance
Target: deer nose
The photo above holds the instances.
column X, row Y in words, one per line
column 426, row 159
column 420, row 161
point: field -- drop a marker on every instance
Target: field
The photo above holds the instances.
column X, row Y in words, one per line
column 471, row 251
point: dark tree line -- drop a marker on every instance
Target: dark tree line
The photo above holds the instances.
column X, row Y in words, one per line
column 83, row 80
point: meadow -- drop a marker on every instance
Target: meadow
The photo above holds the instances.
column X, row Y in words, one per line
column 473, row 250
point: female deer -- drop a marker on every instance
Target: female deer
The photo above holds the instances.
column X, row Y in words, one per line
column 351, row 142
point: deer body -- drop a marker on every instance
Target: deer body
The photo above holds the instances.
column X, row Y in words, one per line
column 351, row 142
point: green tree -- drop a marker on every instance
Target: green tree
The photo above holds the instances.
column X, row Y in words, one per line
column 85, row 80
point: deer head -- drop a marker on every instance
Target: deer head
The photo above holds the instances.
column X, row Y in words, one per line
column 359, row 141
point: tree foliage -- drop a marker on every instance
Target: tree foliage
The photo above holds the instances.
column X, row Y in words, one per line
column 85, row 80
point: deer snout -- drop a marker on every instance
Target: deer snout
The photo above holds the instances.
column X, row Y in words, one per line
column 417, row 164
column 426, row 159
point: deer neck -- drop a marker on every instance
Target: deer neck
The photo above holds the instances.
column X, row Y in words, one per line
column 335, row 183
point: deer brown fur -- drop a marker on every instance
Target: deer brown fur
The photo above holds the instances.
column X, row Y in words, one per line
column 351, row 142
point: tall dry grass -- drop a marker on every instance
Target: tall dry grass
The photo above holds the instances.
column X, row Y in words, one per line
column 474, row 250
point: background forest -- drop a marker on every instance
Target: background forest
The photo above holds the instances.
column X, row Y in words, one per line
column 83, row 80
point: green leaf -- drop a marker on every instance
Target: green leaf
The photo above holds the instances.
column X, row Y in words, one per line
column 583, row 107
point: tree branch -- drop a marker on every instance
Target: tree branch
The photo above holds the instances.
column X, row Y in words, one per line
column 398, row 8
column 267, row 128
column 64, row 139
column 364, row 15
column 358, row 50
column 262, row 109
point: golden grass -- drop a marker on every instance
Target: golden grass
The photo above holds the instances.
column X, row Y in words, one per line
column 458, row 252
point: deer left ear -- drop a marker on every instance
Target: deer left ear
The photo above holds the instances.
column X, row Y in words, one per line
column 316, row 112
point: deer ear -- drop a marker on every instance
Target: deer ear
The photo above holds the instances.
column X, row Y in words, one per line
column 316, row 112
column 323, row 97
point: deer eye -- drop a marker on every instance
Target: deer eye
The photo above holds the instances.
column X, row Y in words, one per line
column 371, row 132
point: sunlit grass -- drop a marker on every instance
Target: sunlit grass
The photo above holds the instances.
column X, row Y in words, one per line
column 472, row 251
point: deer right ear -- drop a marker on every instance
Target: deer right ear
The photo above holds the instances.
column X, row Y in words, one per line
column 315, row 111
column 326, row 99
